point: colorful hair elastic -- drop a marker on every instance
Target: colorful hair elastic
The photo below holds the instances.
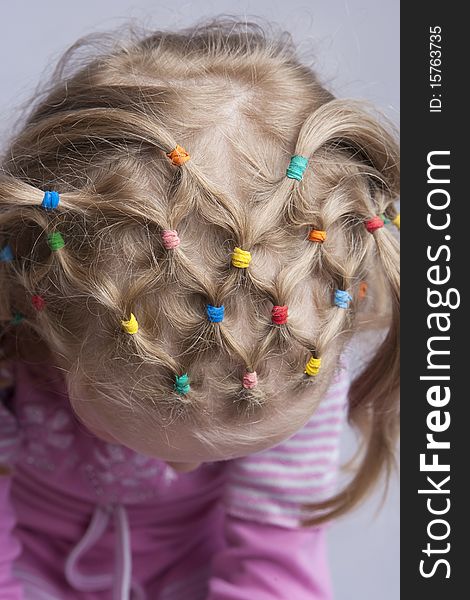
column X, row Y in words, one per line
column 279, row 315
column 297, row 166
column 131, row 326
column 342, row 298
column 313, row 366
column 181, row 385
column 250, row 380
column 215, row 313
column 6, row 254
column 385, row 219
column 17, row 318
column 56, row 241
column 317, row 235
column 396, row 221
column 38, row 302
column 50, row 200
column 374, row 224
column 241, row 258
column 178, row 156
column 363, row 285
column 170, row 239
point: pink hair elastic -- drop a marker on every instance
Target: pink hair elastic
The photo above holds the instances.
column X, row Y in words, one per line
column 250, row 380
column 170, row 239
column 374, row 224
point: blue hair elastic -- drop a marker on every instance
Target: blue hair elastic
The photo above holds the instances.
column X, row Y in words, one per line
column 342, row 298
column 215, row 313
column 51, row 200
column 297, row 166
column 6, row 254
column 182, row 384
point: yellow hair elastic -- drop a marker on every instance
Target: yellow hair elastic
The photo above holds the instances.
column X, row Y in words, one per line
column 241, row 258
column 178, row 155
column 313, row 366
column 396, row 221
column 130, row 326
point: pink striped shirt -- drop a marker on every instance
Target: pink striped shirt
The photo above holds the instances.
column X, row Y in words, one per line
column 81, row 518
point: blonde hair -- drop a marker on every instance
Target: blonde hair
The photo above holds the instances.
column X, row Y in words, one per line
column 241, row 103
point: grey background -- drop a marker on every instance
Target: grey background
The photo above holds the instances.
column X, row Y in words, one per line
column 354, row 45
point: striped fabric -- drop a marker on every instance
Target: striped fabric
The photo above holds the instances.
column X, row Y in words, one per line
column 270, row 486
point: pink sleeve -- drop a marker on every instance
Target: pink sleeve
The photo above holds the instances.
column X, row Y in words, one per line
column 10, row 547
column 269, row 555
column 268, row 562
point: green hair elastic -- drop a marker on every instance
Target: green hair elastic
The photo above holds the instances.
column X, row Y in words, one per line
column 56, row 241
column 297, row 166
column 182, row 384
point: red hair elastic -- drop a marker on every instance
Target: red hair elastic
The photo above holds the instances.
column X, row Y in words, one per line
column 279, row 315
column 38, row 302
column 374, row 224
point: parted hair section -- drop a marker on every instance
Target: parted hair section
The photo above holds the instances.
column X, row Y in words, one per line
column 192, row 215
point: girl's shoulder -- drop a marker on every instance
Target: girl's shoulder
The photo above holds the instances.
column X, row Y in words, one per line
column 272, row 486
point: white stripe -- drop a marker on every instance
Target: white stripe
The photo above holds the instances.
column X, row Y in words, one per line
column 307, row 445
column 325, row 409
column 263, row 508
column 339, row 387
column 286, row 496
column 320, row 427
column 284, row 482
column 293, row 458
column 282, row 470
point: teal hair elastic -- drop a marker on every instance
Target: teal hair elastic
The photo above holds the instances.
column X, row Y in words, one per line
column 182, row 384
column 385, row 219
column 17, row 318
column 297, row 166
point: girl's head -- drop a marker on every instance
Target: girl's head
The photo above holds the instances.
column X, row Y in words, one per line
column 194, row 282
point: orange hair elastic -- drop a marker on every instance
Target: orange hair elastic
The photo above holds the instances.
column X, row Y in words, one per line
column 317, row 235
column 362, row 290
column 178, row 156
